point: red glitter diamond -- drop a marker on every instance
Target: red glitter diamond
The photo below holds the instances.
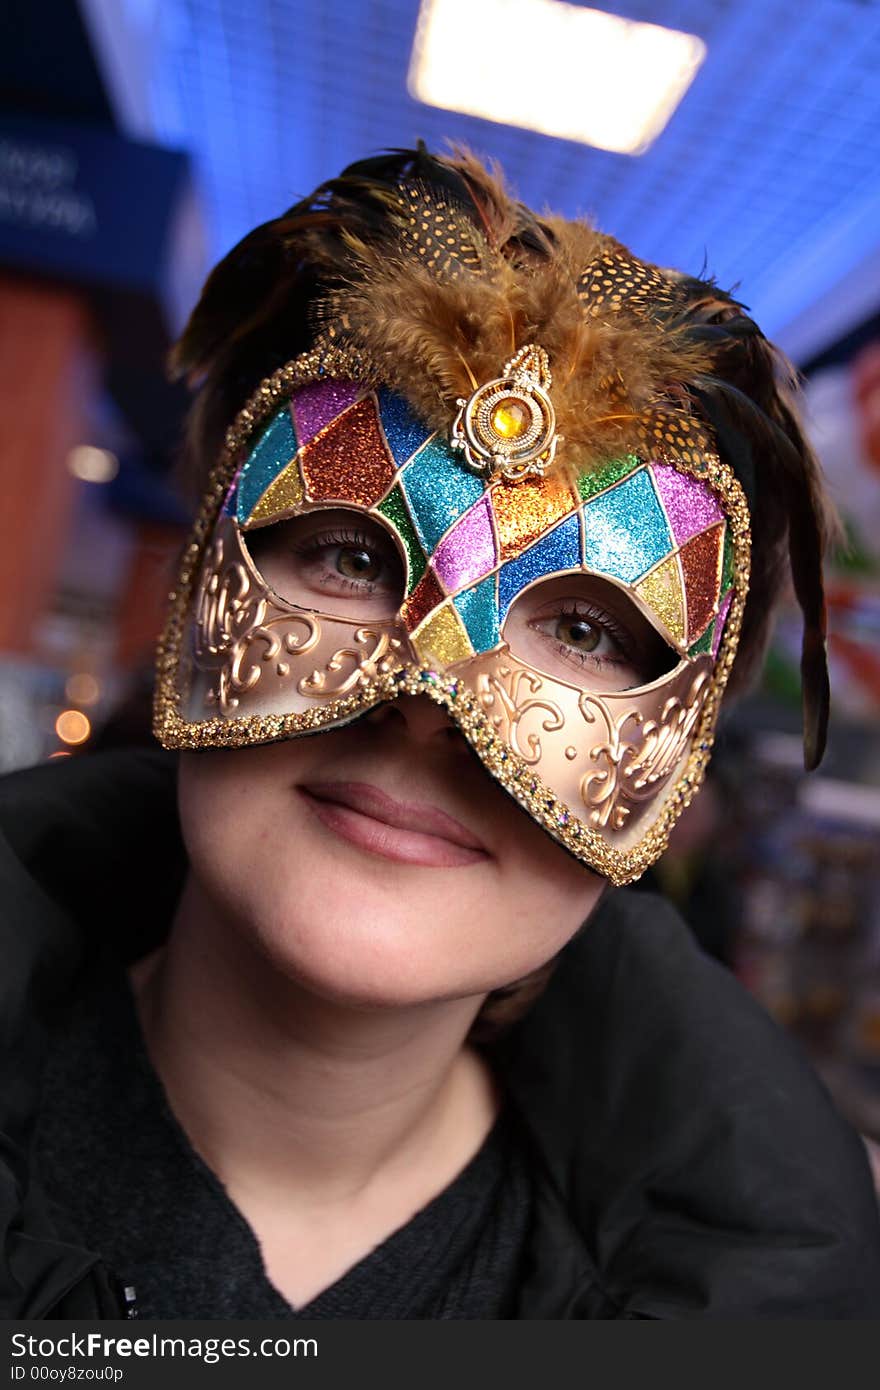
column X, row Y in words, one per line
column 348, row 461
column 701, row 566
column 425, row 597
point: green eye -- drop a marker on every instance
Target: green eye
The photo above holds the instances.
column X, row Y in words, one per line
column 576, row 632
column 356, row 563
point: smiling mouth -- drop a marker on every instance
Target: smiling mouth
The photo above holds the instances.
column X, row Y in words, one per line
column 406, row 832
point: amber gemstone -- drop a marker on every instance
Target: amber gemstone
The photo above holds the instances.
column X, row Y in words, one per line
column 510, row 418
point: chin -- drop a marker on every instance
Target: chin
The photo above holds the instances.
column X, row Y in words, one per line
column 380, row 953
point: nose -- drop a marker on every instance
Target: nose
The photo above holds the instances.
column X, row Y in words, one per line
column 418, row 718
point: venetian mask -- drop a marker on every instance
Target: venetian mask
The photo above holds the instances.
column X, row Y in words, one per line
column 575, row 616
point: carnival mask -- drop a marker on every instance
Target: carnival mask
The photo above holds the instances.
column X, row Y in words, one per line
column 349, row 553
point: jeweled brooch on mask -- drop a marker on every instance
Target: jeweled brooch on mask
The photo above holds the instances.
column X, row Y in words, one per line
column 507, row 428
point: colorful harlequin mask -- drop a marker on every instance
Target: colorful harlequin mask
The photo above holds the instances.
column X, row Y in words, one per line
column 562, row 568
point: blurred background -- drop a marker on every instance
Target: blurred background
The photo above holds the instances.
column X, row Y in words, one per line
column 140, row 139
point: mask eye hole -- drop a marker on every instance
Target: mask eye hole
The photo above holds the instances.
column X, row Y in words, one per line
column 585, row 630
column 338, row 562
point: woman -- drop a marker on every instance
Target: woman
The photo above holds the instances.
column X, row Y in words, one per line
column 498, row 509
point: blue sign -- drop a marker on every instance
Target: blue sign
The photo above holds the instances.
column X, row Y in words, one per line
column 83, row 204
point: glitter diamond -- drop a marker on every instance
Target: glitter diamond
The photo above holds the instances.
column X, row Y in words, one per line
column 727, row 562
column 690, row 505
column 405, row 432
column 280, row 497
column 438, row 491
column 560, row 550
column 467, row 552
column 589, row 483
column 662, row 592
column 349, row 460
column 478, row 610
column 625, row 531
column 443, row 639
column 393, row 508
column 701, row 566
column 272, row 452
column 426, row 596
column 525, row 510
column 317, row 406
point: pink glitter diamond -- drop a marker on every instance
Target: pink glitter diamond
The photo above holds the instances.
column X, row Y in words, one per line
column 690, row 505
column 318, row 405
column 468, row 551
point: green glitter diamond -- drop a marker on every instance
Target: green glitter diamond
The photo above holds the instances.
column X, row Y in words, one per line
column 727, row 562
column 588, row 484
column 394, row 510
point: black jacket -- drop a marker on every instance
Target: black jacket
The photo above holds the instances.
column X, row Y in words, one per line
column 687, row 1161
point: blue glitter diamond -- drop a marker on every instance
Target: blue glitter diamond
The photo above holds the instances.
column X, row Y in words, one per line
column 272, row 452
column 560, row 549
column 478, row 610
column 438, row 490
column 625, row 531
column 404, row 431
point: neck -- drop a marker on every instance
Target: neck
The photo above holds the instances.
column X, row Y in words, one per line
column 282, row 1091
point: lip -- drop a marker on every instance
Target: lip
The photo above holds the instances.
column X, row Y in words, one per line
column 376, row 822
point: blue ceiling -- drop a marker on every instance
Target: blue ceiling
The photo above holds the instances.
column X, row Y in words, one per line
column 768, row 174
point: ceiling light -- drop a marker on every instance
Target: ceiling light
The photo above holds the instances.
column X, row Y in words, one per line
column 560, row 69
column 92, row 465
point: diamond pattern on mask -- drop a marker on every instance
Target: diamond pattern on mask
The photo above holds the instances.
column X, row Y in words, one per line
column 348, row 461
column 467, row 552
column 690, row 505
column 273, row 451
column 625, row 531
column 438, row 491
column 405, row 432
column 280, row 497
column 426, row 596
column 443, row 639
column 393, row 508
column 525, row 510
column 478, row 610
column 316, row 406
column 701, row 567
column 588, row 484
column 560, row 550
column 662, row 591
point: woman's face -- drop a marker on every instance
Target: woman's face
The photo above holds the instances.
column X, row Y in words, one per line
column 379, row 863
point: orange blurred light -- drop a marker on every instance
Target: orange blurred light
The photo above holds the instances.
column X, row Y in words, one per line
column 72, row 726
column 60, row 753
column 82, row 688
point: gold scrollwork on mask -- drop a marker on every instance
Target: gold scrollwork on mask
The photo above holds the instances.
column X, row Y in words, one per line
column 632, row 768
column 514, row 691
column 232, row 618
column 381, row 658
